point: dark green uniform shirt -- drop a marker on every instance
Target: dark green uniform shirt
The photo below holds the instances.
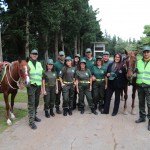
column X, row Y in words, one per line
column 99, row 73
column 83, row 75
column 50, row 78
column 67, row 74
column 106, row 64
column 58, row 66
column 90, row 63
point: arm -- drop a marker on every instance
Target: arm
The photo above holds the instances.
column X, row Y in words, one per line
column 61, row 81
column 56, row 87
column 43, row 87
column 77, row 87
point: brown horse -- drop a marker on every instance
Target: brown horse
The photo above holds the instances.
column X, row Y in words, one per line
column 16, row 74
column 130, row 63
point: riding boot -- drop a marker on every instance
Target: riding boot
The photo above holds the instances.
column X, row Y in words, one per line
column 47, row 115
column 149, row 125
column 70, row 111
column 65, row 110
column 52, row 113
column 58, row 110
column 82, row 110
column 94, row 111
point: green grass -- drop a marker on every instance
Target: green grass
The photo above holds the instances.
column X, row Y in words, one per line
column 19, row 113
column 21, row 96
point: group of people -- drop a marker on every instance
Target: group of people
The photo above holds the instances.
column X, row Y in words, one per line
column 96, row 78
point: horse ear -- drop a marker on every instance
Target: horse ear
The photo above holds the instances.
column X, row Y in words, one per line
column 27, row 59
column 125, row 51
column 19, row 59
column 136, row 52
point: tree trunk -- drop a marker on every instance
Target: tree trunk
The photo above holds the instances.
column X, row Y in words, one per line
column 56, row 45
column 27, row 33
column 1, row 52
column 62, row 41
column 75, row 45
column 46, row 48
column 79, row 50
column 82, row 47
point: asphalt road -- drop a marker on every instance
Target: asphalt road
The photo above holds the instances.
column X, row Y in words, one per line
column 79, row 132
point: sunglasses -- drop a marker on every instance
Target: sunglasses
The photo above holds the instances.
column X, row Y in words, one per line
column 34, row 54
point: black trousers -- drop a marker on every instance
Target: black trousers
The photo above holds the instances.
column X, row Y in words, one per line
column 109, row 94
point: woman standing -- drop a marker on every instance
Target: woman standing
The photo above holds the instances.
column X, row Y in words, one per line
column 116, row 74
column 99, row 83
column 75, row 64
column 50, row 88
column 67, row 79
column 84, row 86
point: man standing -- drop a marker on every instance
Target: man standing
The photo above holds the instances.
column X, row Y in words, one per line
column 143, row 85
column 90, row 61
column 34, row 89
column 59, row 64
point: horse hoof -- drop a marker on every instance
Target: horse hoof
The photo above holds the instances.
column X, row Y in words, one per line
column 133, row 112
column 9, row 122
column 125, row 112
column 12, row 116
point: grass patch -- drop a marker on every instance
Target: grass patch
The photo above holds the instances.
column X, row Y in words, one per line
column 19, row 113
column 21, row 96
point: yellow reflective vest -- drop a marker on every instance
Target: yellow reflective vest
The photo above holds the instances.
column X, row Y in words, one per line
column 35, row 73
column 143, row 72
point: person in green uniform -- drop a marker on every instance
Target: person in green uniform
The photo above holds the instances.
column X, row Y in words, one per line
column 34, row 89
column 99, row 83
column 143, row 85
column 58, row 65
column 67, row 79
column 75, row 64
column 90, row 61
column 50, row 88
column 84, row 86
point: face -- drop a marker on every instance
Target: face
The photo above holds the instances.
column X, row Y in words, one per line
column 146, row 54
column 69, row 63
column 105, row 58
column 62, row 57
column 117, row 58
column 88, row 54
column 34, row 56
column 76, row 59
column 99, row 62
column 82, row 65
column 49, row 66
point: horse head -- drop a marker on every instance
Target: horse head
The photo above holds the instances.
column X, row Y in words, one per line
column 23, row 71
column 130, row 63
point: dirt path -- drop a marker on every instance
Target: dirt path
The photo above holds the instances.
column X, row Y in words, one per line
column 79, row 132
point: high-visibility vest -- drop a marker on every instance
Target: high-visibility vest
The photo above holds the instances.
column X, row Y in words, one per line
column 143, row 72
column 35, row 73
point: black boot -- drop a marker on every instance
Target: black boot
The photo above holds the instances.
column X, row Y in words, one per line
column 58, row 110
column 94, row 111
column 82, row 110
column 52, row 113
column 100, row 108
column 37, row 119
column 140, row 120
column 65, row 110
column 149, row 125
column 70, row 111
column 47, row 115
column 95, row 106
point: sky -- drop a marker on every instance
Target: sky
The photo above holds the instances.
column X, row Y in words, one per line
column 123, row 18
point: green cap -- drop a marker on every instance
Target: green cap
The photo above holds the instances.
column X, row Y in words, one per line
column 77, row 55
column 146, row 48
column 83, row 61
column 68, row 58
column 88, row 50
column 61, row 53
column 106, row 53
column 112, row 76
column 34, row 51
column 50, row 61
column 99, row 57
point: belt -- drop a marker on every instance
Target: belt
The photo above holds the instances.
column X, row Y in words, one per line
column 67, row 82
column 84, row 81
column 100, row 79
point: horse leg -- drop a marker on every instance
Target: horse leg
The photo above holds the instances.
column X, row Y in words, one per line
column 133, row 112
column 12, row 105
column 125, row 112
column 7, row 109
column 121, row 94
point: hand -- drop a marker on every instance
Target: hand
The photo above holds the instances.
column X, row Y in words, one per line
column 56, row 91
column 105, row 87
column 108, row 74
column 44, row 93
column 78, row 91
column 62, row 85
column 90, row 87
column 93, row 78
